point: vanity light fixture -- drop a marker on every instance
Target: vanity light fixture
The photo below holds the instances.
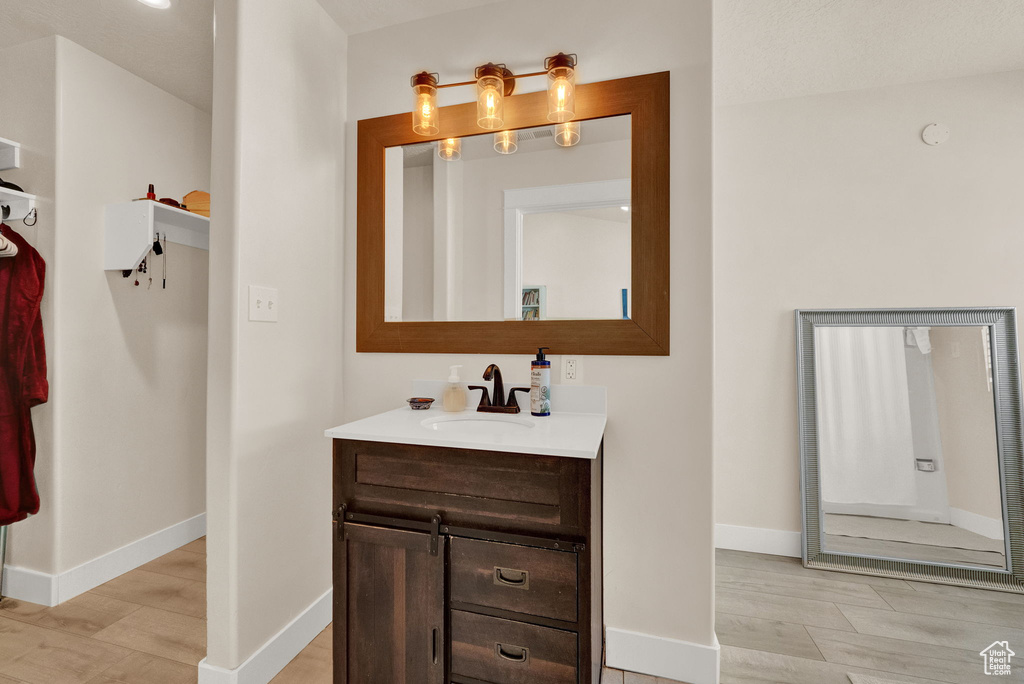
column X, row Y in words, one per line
column 567, row 134
column 506, row 142
column 159, row 4
column 491, row 89
column 561, row 87
column 424, row 111
column 450, row 149
column 494, row 82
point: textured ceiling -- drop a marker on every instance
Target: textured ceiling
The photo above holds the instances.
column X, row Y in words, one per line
column 773, row 49
column 172, row 48
column 357, row 16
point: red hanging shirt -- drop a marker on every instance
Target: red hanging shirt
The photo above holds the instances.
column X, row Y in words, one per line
column 22, row 376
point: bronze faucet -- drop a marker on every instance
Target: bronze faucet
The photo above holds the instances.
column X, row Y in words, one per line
column 500, row 404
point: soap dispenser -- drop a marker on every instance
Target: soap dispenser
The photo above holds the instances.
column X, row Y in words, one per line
column 454, row 399
column 540, row 385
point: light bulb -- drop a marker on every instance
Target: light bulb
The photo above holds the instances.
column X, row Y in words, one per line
column 567, row 134
column 561, row 87
column 450, row 149
column 506, row 142
column 490, row 100
column 489, row 112
column 424, row 112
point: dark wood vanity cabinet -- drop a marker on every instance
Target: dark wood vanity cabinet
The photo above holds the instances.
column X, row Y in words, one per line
column 465, row 566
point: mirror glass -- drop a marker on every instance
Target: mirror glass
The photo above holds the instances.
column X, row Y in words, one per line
column 907, row 447
column 542, row 233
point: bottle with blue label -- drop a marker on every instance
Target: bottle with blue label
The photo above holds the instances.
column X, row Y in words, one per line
column 540, row 385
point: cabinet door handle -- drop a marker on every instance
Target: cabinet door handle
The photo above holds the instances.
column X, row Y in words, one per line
column 433, row 646
column 516, row 654
column 509, row 577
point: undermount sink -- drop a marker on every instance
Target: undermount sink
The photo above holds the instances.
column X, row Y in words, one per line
column 478, row 424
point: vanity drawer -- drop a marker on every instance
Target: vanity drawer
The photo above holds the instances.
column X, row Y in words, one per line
column 506, row 652
column 514, row 493
column 523, row 579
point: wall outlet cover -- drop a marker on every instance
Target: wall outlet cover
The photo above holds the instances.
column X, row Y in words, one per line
column 570, row 369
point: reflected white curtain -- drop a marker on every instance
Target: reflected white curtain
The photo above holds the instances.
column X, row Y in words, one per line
column 866, row 447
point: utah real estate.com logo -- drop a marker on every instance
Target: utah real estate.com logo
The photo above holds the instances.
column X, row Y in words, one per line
column 997, row 658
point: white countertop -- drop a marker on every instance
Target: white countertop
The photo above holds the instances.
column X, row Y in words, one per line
column 563, row 433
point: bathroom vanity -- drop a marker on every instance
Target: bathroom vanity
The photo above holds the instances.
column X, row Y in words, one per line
column 467, row 547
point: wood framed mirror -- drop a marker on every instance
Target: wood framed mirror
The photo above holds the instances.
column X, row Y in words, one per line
column 643, row 326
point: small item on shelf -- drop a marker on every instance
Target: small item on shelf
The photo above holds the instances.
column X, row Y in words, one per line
column 170, row 202
column 420, row 403
column 150, row 195
column 198, row 202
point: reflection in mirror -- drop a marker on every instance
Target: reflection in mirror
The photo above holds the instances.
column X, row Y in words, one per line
column 907, row 448
column 540, row 233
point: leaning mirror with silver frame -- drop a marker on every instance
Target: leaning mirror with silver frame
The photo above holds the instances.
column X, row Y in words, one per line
column 910, row 444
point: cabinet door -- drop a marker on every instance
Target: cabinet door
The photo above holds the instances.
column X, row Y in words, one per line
column 389, row 607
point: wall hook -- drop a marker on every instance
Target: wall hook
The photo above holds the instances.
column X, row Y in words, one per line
column 34, row 215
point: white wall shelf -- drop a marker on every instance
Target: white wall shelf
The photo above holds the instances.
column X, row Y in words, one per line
column 21, row 203
column 10, row 154
column 132, row 228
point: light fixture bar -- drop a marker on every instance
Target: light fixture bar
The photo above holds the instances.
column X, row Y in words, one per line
column 495, row 82
column 466, row 83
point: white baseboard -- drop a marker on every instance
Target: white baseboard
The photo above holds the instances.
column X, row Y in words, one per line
column 979, row 524
column 660, row 657
column 50, row 590
column 278, row 651
column 759, row 540
column 30, row 585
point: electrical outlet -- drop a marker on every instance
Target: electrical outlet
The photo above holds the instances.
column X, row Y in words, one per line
column 262, row 303
column 569, row 370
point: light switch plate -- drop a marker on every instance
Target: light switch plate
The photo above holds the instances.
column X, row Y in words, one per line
column 262, row 303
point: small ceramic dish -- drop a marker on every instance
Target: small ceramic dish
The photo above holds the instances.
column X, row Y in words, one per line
column 420, row 403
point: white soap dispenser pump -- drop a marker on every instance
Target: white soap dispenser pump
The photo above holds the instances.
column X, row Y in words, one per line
column 454, row 399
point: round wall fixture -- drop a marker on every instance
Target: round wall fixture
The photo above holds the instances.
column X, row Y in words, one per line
column 159, row 4
column 935, row 134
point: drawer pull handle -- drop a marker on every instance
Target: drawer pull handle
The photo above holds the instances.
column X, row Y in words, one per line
column 516, row 654
column 509, row 577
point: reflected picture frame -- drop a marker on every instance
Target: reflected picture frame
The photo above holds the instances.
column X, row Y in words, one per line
column 1006, row 390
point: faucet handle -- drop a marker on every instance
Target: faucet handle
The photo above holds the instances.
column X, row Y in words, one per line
column 485, row 398
column 512, row 396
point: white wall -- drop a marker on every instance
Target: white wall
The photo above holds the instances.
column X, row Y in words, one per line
column 129, row 375
column 582, row 261
column 658, row 482
column 967, row 421
column 486, row 180
column 833, row 201
column 276, row 198
column 418, row 238
column 122, row 448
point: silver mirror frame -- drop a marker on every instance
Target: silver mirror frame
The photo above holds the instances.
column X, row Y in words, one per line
column 1001, row 322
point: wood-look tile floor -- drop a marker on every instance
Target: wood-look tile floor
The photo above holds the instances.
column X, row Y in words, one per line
column 778, row 623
